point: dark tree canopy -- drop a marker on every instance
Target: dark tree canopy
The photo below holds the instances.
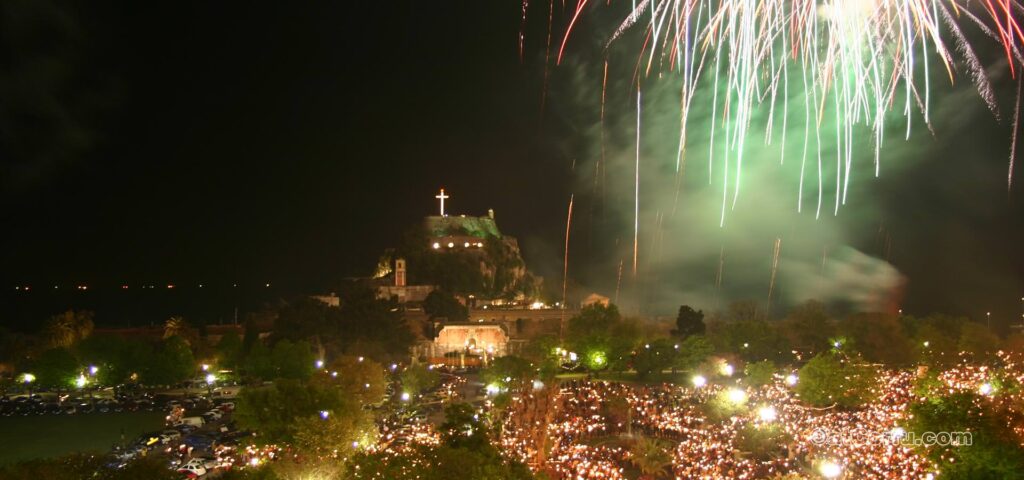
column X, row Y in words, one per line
column 689, row 322
column 442, row 304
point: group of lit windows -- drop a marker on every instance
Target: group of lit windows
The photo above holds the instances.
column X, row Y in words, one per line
column 437, row 245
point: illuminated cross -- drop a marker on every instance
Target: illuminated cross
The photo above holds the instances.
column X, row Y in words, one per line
column 442, row 196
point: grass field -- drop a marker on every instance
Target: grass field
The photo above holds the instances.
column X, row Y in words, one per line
column 25, row 438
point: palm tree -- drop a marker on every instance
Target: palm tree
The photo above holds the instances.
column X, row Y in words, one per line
column 65, row 329
column 176, row 326
column 652, row 457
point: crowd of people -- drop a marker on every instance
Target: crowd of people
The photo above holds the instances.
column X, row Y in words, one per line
column 574, row 431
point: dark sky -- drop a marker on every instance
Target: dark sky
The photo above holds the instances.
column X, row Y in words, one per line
column 152, row 142
column 247, row 143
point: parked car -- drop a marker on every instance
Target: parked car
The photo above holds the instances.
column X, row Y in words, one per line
column 197, row 467
column 193, row 421
column 168, row 436
column 197, row 441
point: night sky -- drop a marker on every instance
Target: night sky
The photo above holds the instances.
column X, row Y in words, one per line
column 221, row 143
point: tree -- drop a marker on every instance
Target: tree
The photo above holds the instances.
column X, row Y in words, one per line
column 229, row 350
column 334, row 432
column 978, row 340
column 760, row 373
column 259, row 363
column 56, row 367
column 293, row 360
column 994, row 450
column 510, row 371
column 275, row 411
column 750, row 336
column 693, row 351
column 935, row 345
column 689, row 322
column 808, row 328
column 362, row 379
column 304, row 319
column 173, row 363
column 653, row 457
column 442, row 304
column 879, row 337
column 827, row 379
column 418, row 378
column 463, row 428
column 595, row 317
column 654, row 357
column 371, row 327
column 600, row 336
column 66, row 329
column 177, row 326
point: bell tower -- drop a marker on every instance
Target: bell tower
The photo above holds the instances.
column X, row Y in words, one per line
column 400, row 272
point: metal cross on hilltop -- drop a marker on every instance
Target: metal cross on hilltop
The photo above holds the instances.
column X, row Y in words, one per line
column 441, row 197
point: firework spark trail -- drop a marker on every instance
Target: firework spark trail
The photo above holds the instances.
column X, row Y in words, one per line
column 636, row 190
column 565, row 266
column 776, row 250
column 618, row 282
column 721, row 267
column 522, row 30
column 547, row 57
column 855, row 56
column 568, row 31
column 1013, row 141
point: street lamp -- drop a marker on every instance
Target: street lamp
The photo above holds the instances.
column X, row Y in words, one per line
column 28, row 378
column 210, row 379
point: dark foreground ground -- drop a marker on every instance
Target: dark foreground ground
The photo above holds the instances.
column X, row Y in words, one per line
column 31, row 437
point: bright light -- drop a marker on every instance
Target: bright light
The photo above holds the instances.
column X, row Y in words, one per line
column 205, row 367
column 985, row 389
column 572, row 356
column 836, row 344
column 727, row 370
column 405, row 396
column 254, row 461
column 737, row 396
column 926, row 343
column 536, row 305
column 791, row 379
column 897, row 433
column 537, row 384
column 466, row 245
column 767, row 414
column 699, row 381
column 334, row 374
column 365, row 385
column 493, row 389
column 80, row 381
column 360, row 359
column 436, row 245
column 830, row 469
column 210, row 378
column 598, row 358
column 746, row 345
column 28, row 378
column 319, row 364
column 93, row 369
column 324, row 414
column 451, row 244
